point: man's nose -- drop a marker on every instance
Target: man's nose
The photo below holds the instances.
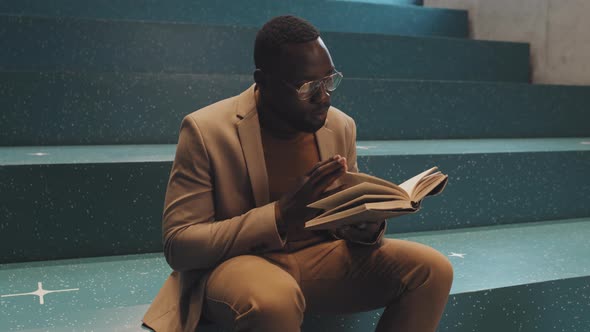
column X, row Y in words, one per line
column 322, row 95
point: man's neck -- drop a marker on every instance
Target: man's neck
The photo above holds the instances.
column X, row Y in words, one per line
column 272, row 124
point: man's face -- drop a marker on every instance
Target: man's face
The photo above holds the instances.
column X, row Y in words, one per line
column 300, row 63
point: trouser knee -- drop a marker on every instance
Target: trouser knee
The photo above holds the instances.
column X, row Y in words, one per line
column 444, row 271
column 437, row 269
column 274, row 311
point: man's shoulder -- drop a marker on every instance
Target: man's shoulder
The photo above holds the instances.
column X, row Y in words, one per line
column 338, row 120
column 218, row 113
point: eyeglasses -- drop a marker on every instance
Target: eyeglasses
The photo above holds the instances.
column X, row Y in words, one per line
column 309, row 89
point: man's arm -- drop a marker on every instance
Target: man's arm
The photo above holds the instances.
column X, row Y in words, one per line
column 373, row 232
column 192, row 238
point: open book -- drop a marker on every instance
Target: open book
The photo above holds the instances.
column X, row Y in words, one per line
column 368, row 198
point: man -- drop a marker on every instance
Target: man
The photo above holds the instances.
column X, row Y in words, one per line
column 244, row 172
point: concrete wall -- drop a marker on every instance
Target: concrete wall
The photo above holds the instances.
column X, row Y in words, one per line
column 558, row 31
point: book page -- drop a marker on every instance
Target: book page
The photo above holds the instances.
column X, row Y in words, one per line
column 432, row 185
column 426, row 182
column 359, row 214
column 352, row 179
column 349, row 194
column 361, row 200
column 410, row 184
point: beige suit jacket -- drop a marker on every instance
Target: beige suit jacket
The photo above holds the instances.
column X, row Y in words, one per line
column 217, row 201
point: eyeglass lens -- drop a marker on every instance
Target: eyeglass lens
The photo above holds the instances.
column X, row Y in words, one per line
column 331, row 82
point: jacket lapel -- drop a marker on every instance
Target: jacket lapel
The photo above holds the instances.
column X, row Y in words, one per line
column 325, row 140
column 251, row 141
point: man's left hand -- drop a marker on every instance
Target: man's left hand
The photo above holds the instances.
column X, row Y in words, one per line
column 365, row 232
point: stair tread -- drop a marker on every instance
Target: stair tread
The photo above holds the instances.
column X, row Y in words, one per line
column 116, row 290
column 74, row 154
column 515, row 254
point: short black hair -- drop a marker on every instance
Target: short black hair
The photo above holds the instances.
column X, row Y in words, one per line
column 277, row 32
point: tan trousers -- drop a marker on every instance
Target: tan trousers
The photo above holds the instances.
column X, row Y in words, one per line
column 272, row 291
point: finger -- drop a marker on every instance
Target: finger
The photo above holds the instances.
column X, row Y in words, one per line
column 345, row 163
column 367, row 226
column 325, row 170
column 362, row 225
column 321, row 163
column 352, row 230
column 323, row 183
column 319, row 186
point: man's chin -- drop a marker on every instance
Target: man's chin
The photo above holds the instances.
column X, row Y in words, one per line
column 309, row 124
column 314, row 126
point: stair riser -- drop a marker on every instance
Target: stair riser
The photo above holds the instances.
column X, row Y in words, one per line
column 89, row 45
column 492, row 188
column 85, row 210
column 71, row 109
column 560, row 305
column 345, row 16
column 82, row 210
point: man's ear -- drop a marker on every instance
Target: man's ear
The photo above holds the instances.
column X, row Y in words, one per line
column 259, row 77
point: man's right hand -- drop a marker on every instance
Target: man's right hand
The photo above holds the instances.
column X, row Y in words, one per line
column 310, row 187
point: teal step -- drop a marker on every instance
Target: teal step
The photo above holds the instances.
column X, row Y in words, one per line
column 52, row 44
column 108, row 108
column 326, row 15
column 523, row 277
column 389, row 2
column 82, row 201
column 529, row 277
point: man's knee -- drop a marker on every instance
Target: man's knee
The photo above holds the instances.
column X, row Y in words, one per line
column 437, row 268
column 426, row 267
column 444, row 270
column 277, row 307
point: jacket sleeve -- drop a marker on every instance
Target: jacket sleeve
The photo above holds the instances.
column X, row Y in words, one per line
column 192, row 238
column 353, row 167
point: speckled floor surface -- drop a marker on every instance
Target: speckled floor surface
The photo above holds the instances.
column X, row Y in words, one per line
column 112, row 293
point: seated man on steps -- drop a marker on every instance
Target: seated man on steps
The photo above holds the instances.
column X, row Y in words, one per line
column 244, row 171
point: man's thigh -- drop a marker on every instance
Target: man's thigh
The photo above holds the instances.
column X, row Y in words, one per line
column 340, row 277
column 236, row 284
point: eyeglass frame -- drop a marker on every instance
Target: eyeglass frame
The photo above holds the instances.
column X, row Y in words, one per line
column 321, row 82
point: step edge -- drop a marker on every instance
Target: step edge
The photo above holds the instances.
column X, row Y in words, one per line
column 166, row 151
